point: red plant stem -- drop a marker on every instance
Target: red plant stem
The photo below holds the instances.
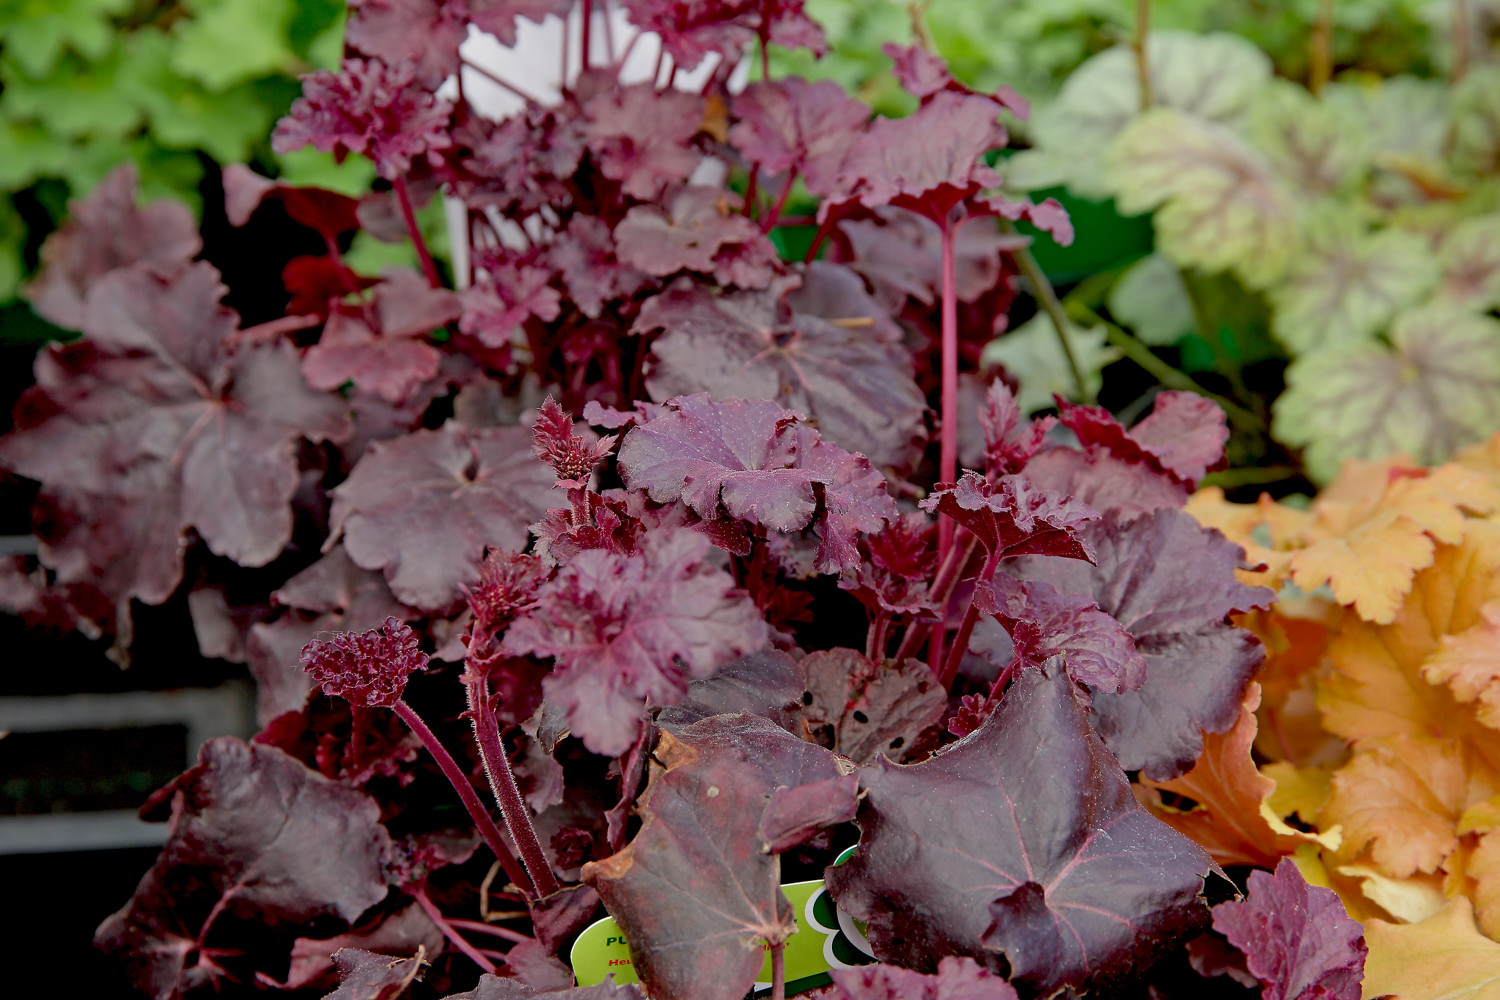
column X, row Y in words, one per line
column 345, row 275
column 824, row 228
column 409, row 216
column 769, row 222
column 942, row 588
column 765, row 52
column 588, row 32
column 1142, row 65
column 503, row 84
column 966, row 629
column 567, row 39
column 460, row 781
column 778, row 971
column 609, row 34
column 503, row 784
column 661, row 59
column 454, row 938
column 752, row 189
column 479, row 927
column 629, row 51
column 948, row 441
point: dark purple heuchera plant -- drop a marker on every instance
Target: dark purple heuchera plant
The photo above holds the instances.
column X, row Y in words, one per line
column 688, row 643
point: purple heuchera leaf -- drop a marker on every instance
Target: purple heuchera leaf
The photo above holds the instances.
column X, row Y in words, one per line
column 501, row 988
column 367, row 107
column 691, row 30
column 750, row 459
column 1013, row 518
column 900, row 254
column 956, row 979
column 424, row 507
column 366, row 669
column 704, row 232
column 643, row 137
column 1182, row 438
column 794, row 125
column 584, row 256
column 105, row 232
column 694, row 891
column 828, row 350
column 253, row 835
column 519, row 165
column 627, row 629
column 1171, row 583
column 924, row 73
column 422, row 34
column 1010, row 440
column 1095, row 649
column 364, row 975
column 1042, row 860
column 153, row 424
column 1297, row 939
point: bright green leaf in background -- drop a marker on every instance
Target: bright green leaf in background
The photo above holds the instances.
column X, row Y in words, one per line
column 1346, row 283
column 1430, row 391
column 1218, row 204
column 36, row 32
column 229, row 41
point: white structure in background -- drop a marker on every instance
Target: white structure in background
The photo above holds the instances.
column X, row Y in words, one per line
column 533, row 66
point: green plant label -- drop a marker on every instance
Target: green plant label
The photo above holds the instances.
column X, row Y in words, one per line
column 826, row 938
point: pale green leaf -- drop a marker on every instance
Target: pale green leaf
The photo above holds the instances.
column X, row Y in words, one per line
column 1318, row 147
column 1152, row 301
column 231, row 41
column 1476, row 122
column 308, row 167
column 36, row 32
column 1214, row 77
column 1219, row 205
column 1403, row 114
column 28, row 151
column 1470, row 258
column 1433, row 389
column 1347, row 283
column 1032, row 353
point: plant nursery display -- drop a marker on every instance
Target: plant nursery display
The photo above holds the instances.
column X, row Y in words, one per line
column 712, row 572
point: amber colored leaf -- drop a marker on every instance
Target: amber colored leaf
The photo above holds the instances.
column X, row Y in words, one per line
column 1469, row 663
column 1231, row 820
column 1442, row 958
column 1269, row 532
column 1403, row 796
column 1370, row 546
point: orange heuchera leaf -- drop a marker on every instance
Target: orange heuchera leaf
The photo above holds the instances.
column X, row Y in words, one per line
column 1269, row 532
column 1443, row 956
column 1290, row 726
column 1232, row 821
column 1369, row 544
column 1469, row 663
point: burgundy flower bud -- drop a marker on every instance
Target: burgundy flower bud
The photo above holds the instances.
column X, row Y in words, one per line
column 365, row 668
column 506, row 589
column 572, row 457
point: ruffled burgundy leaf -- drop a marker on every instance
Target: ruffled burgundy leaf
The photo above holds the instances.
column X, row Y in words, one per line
column 955, row 979
column 508, row 293
column 369, row 107
column 692, row 30
column 1171, row 583
column 765, row 683
column 315, row 281
column 643, row 138
column 693, row 890
column 400, row 933
column 1010, row 441
column 498, row 988
column 328, row 213
column 391, row 367
column 1042, row 860
column 1118, row 489
column 1095, row 649
column 797, row 125
column 364, row 975
column 498, row 17
column 254, row 836
column 1182, row 438
column 900, row 254
column 625, row 629
column 152, row 425
column 1296, row 938
column 703, row 231
column 585, row 256
column 105, row 232
column 1013, row 518
column 795, row 815
column 829, row 351
column 422, row 34
column 869, row 708
column 424, row 507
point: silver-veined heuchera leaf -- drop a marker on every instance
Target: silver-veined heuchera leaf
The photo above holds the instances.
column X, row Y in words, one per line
column 1470, row 258
column 1476, row 122
column 1040, row 860
column 1346, row 282
column 1219, row 204
column 1212, row 76
column 628, row 629
column 1318, row 146
column 1432, row 389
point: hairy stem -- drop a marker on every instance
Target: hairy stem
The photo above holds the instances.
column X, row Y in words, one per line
column 948, row 441
column 1320, row 48
column 460, row 782
column 966, row 629
column 409, row 216
column 454, row 938
column 778, row 971
column 769, row 222
column 503, row 783
column 1142, row 63
column 1042, row 289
